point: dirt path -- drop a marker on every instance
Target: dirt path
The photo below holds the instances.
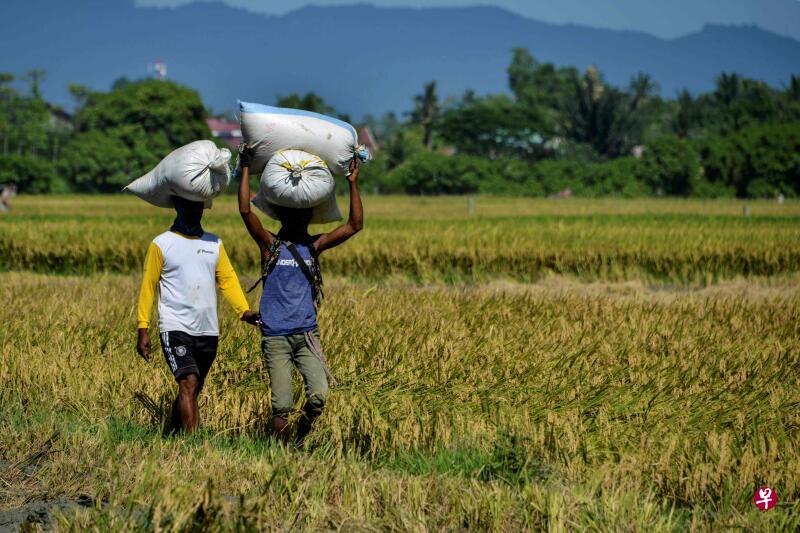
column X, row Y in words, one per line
column 38, row 512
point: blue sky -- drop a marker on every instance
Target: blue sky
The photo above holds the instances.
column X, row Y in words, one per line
column 665, row 18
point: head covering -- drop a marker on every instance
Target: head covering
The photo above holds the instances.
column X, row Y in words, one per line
column 187, row 220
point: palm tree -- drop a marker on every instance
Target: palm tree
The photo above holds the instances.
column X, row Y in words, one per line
column 794, row 87
column 7, row 95
column 35, row 77
column 584, row 107
column 729, row 87
column 594, row 84
column 521, row 71
column 686, row 115
column 602, row 116
column 426, row 112
column 642, row 87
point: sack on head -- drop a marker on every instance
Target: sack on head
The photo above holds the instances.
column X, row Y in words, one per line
column 267, row 130
column 297, row 179
column 198, row 171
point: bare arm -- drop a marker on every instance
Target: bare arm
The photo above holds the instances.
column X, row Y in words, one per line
column 262, row 237
column 355, row 221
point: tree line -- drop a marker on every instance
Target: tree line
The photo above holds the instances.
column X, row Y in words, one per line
column 560, row 129
column 556, row 129
column 111, row 138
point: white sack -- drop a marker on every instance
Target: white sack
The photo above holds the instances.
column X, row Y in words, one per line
column 267, row 130
column 297, row 179
column 294, row 178
column 198, row 171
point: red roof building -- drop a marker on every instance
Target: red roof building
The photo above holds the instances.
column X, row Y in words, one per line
column 230, row 132
column 366, row 138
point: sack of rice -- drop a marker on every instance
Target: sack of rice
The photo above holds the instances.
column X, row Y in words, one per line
column 198, row 171
column 268, row 130
column 298, row 179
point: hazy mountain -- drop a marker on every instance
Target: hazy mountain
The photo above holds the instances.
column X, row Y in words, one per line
column 361, row 58
column 664, row 18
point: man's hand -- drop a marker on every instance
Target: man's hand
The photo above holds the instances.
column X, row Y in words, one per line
column 245, row 157
column 143, row 344
column 354, row 168
column 252, row 317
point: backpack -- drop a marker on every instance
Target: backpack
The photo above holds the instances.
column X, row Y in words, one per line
column 313, row 275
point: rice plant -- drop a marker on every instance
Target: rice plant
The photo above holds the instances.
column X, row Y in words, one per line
column 496, row 407
column 435, row 240
column 607, row 365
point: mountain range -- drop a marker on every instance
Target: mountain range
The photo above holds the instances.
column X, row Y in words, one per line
column 361, row 58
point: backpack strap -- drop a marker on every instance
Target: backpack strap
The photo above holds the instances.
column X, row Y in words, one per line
column 316, row 271
column 268, row 263
column 316, row 292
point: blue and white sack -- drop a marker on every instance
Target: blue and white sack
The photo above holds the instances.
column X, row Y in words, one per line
column 268, row 130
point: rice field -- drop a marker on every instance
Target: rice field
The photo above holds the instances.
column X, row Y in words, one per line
column 534, row 365
column 435, row 240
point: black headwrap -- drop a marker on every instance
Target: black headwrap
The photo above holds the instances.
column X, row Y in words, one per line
column 189, row 214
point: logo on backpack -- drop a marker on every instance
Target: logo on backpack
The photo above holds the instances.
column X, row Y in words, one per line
column 292, row 262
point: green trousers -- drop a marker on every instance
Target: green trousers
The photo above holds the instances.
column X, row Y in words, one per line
column 281, row 354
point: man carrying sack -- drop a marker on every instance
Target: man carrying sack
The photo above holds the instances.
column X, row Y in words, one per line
column 186, row 264
column 292, row 288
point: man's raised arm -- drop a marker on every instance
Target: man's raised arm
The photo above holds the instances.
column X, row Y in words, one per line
column 262, row 237
column 355, row 220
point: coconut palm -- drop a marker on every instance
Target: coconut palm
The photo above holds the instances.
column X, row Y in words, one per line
column 426, row 112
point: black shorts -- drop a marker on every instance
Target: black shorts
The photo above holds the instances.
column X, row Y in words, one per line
column 188, row 354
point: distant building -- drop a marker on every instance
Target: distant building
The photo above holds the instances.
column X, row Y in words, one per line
column 229, row 132
column 59, row 120
column 366, row 138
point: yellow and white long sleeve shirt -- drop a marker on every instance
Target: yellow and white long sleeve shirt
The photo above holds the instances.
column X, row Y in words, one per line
column 185, row 271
